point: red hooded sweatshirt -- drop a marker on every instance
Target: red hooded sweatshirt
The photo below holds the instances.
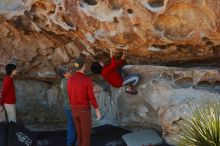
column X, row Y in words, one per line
column 8, row 91
column 111, row 73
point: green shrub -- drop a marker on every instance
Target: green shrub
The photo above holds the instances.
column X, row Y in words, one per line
column 201, row 125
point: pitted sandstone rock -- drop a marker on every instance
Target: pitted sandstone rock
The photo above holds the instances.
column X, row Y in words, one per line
column 153, row 31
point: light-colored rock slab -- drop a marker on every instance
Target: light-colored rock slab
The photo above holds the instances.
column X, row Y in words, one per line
column 144, row 137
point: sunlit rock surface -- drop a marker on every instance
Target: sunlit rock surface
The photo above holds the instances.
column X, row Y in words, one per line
column 153, row 31
column 43, row 34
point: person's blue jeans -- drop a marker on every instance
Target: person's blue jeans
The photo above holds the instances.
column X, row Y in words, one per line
column 71, row 130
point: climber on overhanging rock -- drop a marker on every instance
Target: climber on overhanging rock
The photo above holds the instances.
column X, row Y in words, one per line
column 114, row 74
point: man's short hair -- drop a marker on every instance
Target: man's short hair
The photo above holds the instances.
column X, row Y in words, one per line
column 96, row 68
column 9, row 68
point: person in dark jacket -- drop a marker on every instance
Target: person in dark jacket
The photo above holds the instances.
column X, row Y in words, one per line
column 71, row 129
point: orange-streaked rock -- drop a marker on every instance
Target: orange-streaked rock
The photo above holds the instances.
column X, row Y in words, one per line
column 153, row 31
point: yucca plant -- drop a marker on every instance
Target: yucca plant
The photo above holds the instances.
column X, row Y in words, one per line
column 201, row 125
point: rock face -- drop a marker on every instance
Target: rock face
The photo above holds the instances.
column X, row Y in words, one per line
column 39, row 105
column 163, row 94
column 153, row 31
column 43, row 34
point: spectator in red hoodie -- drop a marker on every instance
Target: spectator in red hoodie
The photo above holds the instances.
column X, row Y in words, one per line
column 114, row 74
column 8, row 99
column 81, row 97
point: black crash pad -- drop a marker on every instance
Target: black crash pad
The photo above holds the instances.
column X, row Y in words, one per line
column 106, row 135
